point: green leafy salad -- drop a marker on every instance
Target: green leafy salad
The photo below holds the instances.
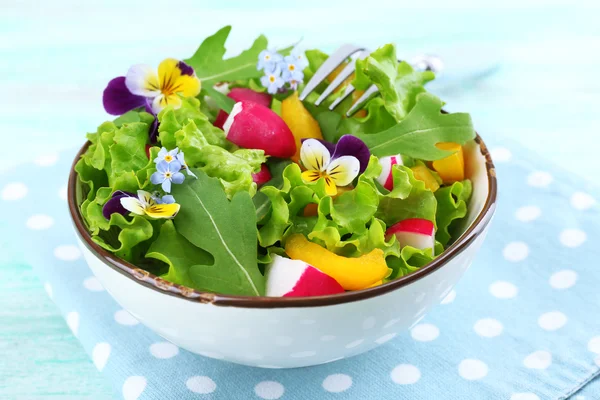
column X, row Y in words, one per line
column 216, row 176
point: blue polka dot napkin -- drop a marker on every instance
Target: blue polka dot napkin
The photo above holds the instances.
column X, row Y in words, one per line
column 521, row 325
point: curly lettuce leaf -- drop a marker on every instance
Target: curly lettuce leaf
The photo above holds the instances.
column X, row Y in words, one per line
column 123, row 236
column 179, row 254
column 378, row 119
column 261, row 201
column 398, row 83
column 172, row 120
column 452, row 206
column 417, row 135
column 128, row 152
column 211, row 68
column 234, row 170
column 225, row 229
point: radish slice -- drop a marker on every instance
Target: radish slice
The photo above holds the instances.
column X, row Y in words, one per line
column 294, row 278
column 242, row 94
column 385, row 178
column 263, row 176
column 415, row 232
column 254, row 126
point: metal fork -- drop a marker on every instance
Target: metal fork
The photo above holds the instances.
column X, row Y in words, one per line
column 424, row 62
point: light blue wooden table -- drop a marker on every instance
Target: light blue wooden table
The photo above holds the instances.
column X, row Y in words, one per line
column 55, row 59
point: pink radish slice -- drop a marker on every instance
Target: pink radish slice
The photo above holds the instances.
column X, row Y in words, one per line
column 254, row 126
column 295, row 278
column 415, row 232
column 263, row 176
column 242, row 94
column 385, row 178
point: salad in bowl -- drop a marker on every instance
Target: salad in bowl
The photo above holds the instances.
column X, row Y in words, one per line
column 216, row 177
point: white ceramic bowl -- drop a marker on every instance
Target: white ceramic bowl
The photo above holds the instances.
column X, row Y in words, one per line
column 293, row 332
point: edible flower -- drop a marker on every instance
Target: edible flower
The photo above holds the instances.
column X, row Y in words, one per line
column 292, row 72
column 338, row 164
column 166, row 199
column 299, row 57
column 181, row 159
column 145, row 204
column 144, row 86
column 169, row 156
column 167, row 173
column 268, row 60
column 272, row 80
column 113, row 205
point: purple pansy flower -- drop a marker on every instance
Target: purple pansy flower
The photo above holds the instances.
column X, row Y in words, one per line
column 113, row 205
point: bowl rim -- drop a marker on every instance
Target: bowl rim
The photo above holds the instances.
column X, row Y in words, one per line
column 161, row 285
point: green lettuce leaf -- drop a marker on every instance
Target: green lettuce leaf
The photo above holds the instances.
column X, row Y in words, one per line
column 128, row 152
column 211, row 68
column 179, row 254
column 452, row 206
column 408, row 261
column 261, row 201
column 225, row 229
column 172, row 120
column 398, row 83
column 123, row 236
column 378, row 119
column 417, row 135
column 234, row 170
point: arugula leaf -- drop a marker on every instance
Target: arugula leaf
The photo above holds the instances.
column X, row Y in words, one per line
column 417, row 135
column 175, row 250
column 452, row 206
column 225, row 229
column 211, row 68
column 398, row 83
column 221, row 100
column 378, row 119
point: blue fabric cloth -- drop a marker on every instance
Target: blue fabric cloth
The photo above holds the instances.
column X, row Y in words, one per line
column 522, row 324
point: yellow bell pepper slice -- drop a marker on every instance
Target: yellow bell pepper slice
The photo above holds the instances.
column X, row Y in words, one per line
column 352, row 273
column 451, row 168
column 300, row 121
column 423, row 173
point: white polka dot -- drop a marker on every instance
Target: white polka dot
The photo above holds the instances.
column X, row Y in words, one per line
column 488, row 327
column 283, row 341
column 62, row 193
column 14, row 191
column 308, row 322
column 212, row 354
column 368, row 323
column 100, row 355
column 524, row 396
column 201, row 384
column 46, row 160
column 48, row 289
column 449, row 297
column 582, row 201
column 572, row 237
column 500, row 154
column 594, row 345
column 539, row 179
column 355, row 343
column 133, row 387
column 385, row 338
column 40, row 222
column 528, row 213
column 337, row 383
column 164, row 350
column 269, row 390
column 67, row 253
column 327, row 338
column 124, row 318
column 93, row 284
column 303, row 354
column 73, row 322
column 538, row 360
column 472, row 370
column 552, row 320
column 503, row 290
column 516, row 251
column 405, row 374
column 563, row 279
column 425, row 332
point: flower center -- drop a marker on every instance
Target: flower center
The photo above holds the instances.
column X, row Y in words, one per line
column 272, row 78
column 267, row 57
column 168, row 158
column 168, row 174
column 291, row 67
